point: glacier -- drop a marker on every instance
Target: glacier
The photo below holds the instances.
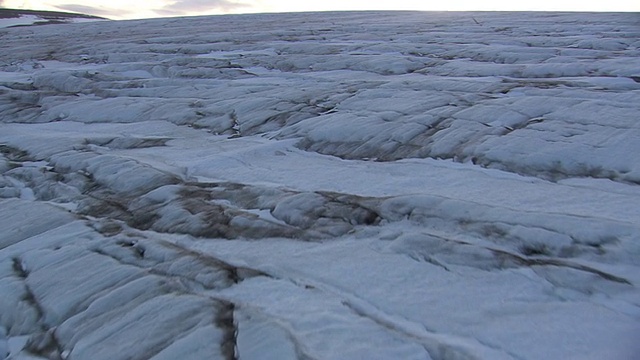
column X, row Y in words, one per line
column 347, row 185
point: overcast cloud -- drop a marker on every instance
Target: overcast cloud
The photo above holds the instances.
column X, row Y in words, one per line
column 128, row 9
column 91, row 10
column 196, row 6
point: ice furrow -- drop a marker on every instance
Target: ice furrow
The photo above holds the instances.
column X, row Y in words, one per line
column 126, row 302
column 439, row 346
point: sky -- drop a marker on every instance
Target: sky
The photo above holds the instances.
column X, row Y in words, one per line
column 127, row 9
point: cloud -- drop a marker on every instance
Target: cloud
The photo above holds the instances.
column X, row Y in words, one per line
column 90, row 10
column 1, row 3
column 183, row 7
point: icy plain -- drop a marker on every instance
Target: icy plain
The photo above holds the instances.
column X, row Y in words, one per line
column 376, row 185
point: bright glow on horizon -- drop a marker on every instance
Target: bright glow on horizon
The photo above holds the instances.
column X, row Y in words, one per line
column 126, row 9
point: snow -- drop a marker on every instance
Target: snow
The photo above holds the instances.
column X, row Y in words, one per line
column 379, row 185
column 27, row 20
column 22, row 20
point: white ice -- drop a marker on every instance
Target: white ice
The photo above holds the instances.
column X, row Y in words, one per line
column 369, row 185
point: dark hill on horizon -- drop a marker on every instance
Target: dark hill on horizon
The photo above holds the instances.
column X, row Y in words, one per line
column 45, row 17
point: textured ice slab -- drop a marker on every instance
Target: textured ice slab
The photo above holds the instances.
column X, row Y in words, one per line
column 322, row 186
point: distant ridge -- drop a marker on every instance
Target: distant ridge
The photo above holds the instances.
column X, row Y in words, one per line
column 48, row 15
column 19, row 17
